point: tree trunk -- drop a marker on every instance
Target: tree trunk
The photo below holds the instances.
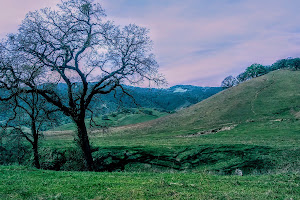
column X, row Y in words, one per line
column 36, row 156
column 35, row 144
column 85, row 144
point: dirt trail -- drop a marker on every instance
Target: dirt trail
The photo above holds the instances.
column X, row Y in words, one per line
column 212, row 131
column 259, row 91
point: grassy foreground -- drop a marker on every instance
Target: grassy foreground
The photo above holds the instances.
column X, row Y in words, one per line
column 261, row 133
column 28, row 183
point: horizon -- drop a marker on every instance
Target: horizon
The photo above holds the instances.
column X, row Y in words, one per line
column 199, row 42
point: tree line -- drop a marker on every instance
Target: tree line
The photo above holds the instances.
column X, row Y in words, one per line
column 256, row 70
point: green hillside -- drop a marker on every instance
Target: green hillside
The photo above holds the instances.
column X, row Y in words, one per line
column 253, row 127
column 275, row 96
column 122, row 118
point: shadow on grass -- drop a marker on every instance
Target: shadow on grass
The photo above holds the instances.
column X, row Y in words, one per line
column 225, row 159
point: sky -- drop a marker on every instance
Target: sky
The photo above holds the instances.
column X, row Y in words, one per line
column 197, row 42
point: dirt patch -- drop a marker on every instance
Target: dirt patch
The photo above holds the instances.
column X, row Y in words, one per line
column 297, row 115
column 259, row 91
column 277, row 120
column 66, row 133
column 211, row 131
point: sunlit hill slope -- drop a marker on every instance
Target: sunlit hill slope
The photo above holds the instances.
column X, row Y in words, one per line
column 272, row 97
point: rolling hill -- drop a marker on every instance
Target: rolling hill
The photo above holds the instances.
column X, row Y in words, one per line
column 272, row 97
column 252, row 130
column 254, row 127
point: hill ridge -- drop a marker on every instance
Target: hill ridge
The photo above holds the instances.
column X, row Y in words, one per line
column 268, row 97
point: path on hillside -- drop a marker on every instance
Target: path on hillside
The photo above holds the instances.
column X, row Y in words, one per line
column 259, row 91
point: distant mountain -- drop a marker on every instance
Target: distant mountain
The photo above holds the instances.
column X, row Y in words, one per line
column 170, row 99
column 165, row 100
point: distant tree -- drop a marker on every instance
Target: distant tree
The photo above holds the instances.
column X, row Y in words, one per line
column 293, row 64
column 241, row 77
column 268, row 68
column 253, row 71
column 73, row 45
column 229, row 82
column 256, row 70
column 288, row 63
column 280, row 64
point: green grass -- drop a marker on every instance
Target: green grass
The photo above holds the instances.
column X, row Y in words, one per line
column 255, row 147
column 168, row 162
column 28, row 183
column 133, row 116
column 270, row 97
column 265, row 112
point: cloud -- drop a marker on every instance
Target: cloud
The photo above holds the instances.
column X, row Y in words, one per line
column 198, row 41
column 201, row 42
column 12, row 12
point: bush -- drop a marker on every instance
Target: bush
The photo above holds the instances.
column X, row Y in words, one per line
column 147, row 112
column 74, row 160
column 52, row 159
column 14, row 149
column 105, row 117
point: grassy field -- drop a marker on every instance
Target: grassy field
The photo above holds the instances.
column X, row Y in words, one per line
column 28, row 183
column 129, row 116
column 192, row 154
column 255, row 147
column 254, row 127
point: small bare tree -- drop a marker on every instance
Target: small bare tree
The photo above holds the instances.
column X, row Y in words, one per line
column 75, row 46
column 229, row 82
column 33, row 111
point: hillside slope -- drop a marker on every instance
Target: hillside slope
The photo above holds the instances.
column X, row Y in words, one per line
column 275, row 96
column 253, row 127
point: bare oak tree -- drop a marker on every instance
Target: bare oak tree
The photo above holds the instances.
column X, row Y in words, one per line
column 73, row 44
column 229, row 82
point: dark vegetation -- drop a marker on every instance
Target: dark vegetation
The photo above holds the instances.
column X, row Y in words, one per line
column 167, row 100
column 164, row 100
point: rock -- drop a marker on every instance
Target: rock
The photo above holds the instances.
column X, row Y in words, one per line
column 238, row 172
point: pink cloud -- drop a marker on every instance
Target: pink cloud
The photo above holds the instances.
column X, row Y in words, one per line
column 12, row 12
column 232, row 38
column 198, row 41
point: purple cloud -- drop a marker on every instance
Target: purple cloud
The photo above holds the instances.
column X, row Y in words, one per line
column 198, row 41
column 12, row 12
